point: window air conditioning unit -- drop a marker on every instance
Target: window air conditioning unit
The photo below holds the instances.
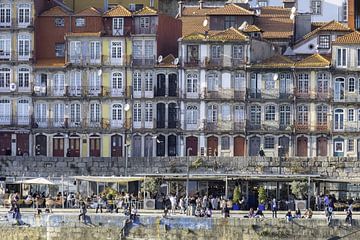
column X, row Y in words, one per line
column 149, row 204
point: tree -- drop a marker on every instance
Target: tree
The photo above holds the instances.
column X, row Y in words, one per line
column 153, row 185
column 237, row 194
column 262, row 195
column 299, row 189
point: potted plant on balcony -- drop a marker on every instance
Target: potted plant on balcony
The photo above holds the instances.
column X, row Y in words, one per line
column 299, row 190
column 262, row 198
column 236, row 198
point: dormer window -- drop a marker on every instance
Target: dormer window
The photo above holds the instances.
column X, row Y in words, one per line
column 118, row 26
column 324, row 41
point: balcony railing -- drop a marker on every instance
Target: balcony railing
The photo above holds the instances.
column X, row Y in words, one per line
column 239, row 95
column 143, row 61
column 324, row 95
column 15, row 120
column 302, row 94
column 302, row 127
column 192, row 63
column 16, row 24
column 213, row 62
column 322, row 127
column 16, row 56
column 85, row 59
column 254, row 93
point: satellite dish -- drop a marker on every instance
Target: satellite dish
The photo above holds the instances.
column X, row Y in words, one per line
column 245, row 1
column 12, row 87
column 126, row 107
column 99, row 72
column 292, row 16
column 176, row 61
column 243, row 26
column 205, row 22
column 276, row 77
column 160, row 58
column 293, row 10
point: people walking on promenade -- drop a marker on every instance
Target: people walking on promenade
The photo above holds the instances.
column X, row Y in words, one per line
column 83, row 212
column 274, row 208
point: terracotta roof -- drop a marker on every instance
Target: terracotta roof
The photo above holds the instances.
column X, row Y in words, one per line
column 193, row 24
column 313, row 61
column 351, row 38
column 118, row 11
column 276, row 61
column 272, row 11
column 230, row 34
column 88, row 12
column 194, row 37
column 56, row 12
column 196, row 11
column 230, row 9
column 167, row 61
column 275, row 27
column 84, row 34
column 330, row 26
column 252, row 28
column 52, row 63
column 146, row 11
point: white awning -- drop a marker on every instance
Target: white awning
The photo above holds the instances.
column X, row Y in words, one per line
column 39, row 181
column 112, row 179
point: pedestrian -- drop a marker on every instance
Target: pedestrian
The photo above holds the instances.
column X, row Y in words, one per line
column 262, row 153
column 328, row 214
column 289, row 216
column 298, row 213
column 101, row 200
column 182, row 205
column 226, row 210
column 83, row 211
column 274, row 208
column 348, row 218
column 173, row 204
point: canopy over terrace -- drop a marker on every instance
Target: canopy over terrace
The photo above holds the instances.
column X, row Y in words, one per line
column 38, row 181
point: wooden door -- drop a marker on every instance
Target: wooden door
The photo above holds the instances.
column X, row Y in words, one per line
column 239, row 146
column 22, row 144
column 254, row 146
column 302, row 148
column 41, row 145
column 321, row 146
column 136, row 152
column 116, row 146
column 191, row 143
column 95, row 147
column 5, row 143
column 283, row 146
column 212, row 146
column 58, row 147
column 74, row 147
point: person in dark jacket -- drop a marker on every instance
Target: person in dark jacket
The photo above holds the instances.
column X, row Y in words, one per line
column 83, row 211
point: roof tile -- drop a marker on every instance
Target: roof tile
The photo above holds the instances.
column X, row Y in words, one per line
column 276, row 61
column 88, row 12
column 146, row 11
column 230, row 9
column 230, row 34
column 351, row 38
column 56, row 12
column 330, row 26
column 251, row 28
column 118, row 11
column 83, row 34
column 313, row 61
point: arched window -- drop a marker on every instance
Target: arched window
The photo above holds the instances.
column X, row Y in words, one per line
column 137, row 81
column 255, row 114
column 192, row 82
column 339, row 119
column 148, row 112
column 23, row 111
column 239, row 81
column 148, row 81
column 24, row 46
column 5, row 111
column 117, row 80
column 191, row 114
column 137, row 112
column 116, row 114
column 4, row 77
column 23, row 77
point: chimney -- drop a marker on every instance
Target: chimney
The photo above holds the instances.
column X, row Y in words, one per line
column 180, row 8
column 106, row 5
column 201, row 4
column 302, row 25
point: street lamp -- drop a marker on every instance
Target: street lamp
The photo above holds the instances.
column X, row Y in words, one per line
column 126, row 158
column 281, row 148
column 187, row 174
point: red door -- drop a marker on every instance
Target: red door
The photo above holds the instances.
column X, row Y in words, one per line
column 212, row 146
column 192, row 143
column 116, row 146
column 74, row 147
column 58, row 147
column 95, row 147
column 239, row 146
column 5, row 143
column 302, row 148
column 22, row 144
column 321, row 146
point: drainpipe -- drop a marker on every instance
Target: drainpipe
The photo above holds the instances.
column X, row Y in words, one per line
column 180, row 8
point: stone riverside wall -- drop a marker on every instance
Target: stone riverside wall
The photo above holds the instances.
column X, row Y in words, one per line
column 329, row 167
column 108, row 227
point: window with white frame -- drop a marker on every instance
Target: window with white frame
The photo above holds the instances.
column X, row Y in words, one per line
column 351, row 84
column 339, row 89
column 225, row 143
column 341, row 57
column 75, row 113
column 351, row 115
column 23, row 113
column 94, row 82
column 95, row 51
column 213, row 82
column 116, row 50
column 75, row 51
column 24, row 46
column 212, row 113
column 358, row 115
column 59, row 113
column 269, row 81
column 263, row 3
column 316, row 7
column 148, row 81
column 345, row 11
column 255, row 114
column 5, row 78
column 24, row 11
column 339, row 119
column 148, row 112
column 323, row 82
column 229, row 21
column 321, row 112
column 41, row 113
column 225, row 112
column 285, row 113
column 95, row 115
column 238, row 52
column 191, row 114
column 137, row 49
column 59, row 22
column 324, row 41
column 116, row 114
column 5, row 14
column 358, row 57
column 5, row 111
column 23, row 77
column 80, row 22
column 285, row 83
column 137, row 81
column 303, row 115
column 339, row 146
column 60, row 50
column 149, row 49
column 303, row 83
column 118, row 26
column 239, row 81
column 137, row 112
column 75, row 83
column 239, row 114
column 5, row 46
column 270, row 113
column 144, row 22
column 117, row 82
column 59, row 84
column 192, row 83
column 269, row 142
column 350, row 147
column 216, row 51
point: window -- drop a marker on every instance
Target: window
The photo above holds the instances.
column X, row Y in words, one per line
column 75, row 83
column 225, row 112
column 303, row 115
column 149, row 49
column 144, row 22
column 116, row 113
column 341, row 57
column 216, row 51
column 148, row 81
column 213, row 82
column 192, row 83
column 345, row 11
column 212, row 113
column 358, row 57
column 137, row 112
column 5, row 47
column 303, row 83
column 24, row 46
column 269, row 81
column 94, row 83
column 350, row 145
column 262, row 3
column 23, row 77
column 339, row 146
column 4, row 78
column 239, row 114
column 5, row 111
column 192, row 54
column 285, row 115
column 137, row 81
column 116, row 49
column 239, row 81
column 339, row 119
column 238, row 52
column 229, row 21
column 117, row 81
column 75, row 114
column 255, row 115
column 5, row 15
column 148, row 112
column 339, row 89
column 137, row 49
column 225, row 143
column 285, row 83
column 321, row 112
column 60, row 50
column 23, row 111
column 59, row 113
column 351, row 84
column 316, row 7
column 191, row 114
column 95, row 50
column 41, row 112
column 59, row 22
column 270, row 113
column 118, row 26
column 95, row 113
column 351, row 115
column 75, row 51
column 324, row 41
column 24, row 14
column 323, row 82
column 269, row 142
column 80, row 22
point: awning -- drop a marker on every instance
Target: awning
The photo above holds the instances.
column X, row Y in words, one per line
column 39, row 181
column 348, row 180
column 111, row 179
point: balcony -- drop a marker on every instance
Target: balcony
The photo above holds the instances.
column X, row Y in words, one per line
column 239, row 95
column 192, row 63
column 254, row 93
column 239, row 126
column 15, row 56
column 302, row 94
column 322, row 127
column 213, row 62
column 302, row 127
column 222, row 125
column 144, row 61
column 253, row 126
column 324, row 95
column 14, row 121
column 236, row 62
column 15, row 24
column 84, row 60
column 285, row 96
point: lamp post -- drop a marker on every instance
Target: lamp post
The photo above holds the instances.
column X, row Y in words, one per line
column 126, row 159
column 187, row 174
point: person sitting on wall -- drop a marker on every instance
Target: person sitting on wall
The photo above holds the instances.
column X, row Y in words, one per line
column 19, row 152
column 289, row 216
column 262, row 153
column 259, row 213
column 297, row 213
column 251, row 213
column 308, row 214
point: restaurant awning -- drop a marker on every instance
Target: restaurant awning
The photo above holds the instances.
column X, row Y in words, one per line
column 112, row 179
column 38, row 181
